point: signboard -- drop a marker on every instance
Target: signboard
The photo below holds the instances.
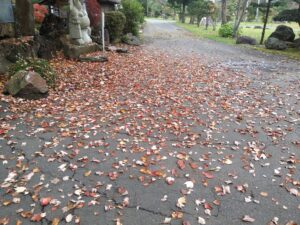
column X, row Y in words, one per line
column 6, row 11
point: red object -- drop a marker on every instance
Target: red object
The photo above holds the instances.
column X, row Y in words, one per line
column 93, row 9
column 40, row 12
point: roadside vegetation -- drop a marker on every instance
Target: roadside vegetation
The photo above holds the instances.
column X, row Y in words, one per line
column 227, row 20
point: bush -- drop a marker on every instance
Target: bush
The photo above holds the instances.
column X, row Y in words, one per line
column 134, row 13
column 40, row 66
column 115, row 22
column 226, row 30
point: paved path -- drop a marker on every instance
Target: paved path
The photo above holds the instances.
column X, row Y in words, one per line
column 182, row 129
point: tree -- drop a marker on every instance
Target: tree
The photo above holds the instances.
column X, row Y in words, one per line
column 224, row 12
column 291, row 15
column 201, row 8
column 240, row 12
column 93, row 9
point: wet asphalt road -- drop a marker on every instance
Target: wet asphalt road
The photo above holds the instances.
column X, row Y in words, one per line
column 233, row 121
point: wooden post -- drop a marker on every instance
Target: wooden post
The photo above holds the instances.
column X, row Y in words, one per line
column 265, row 22
column 102, row 30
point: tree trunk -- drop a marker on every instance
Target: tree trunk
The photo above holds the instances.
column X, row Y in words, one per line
column 183, row 13
column 239, row 16
column 192, row 19
column 206, row 22
column 224, row 11
column 265, row 22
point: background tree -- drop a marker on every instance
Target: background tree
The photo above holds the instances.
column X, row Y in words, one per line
column 240, row 12
column 290, row 15
column 224, row 11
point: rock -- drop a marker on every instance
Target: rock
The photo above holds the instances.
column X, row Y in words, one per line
column 115, row 49
column 72, row 51
column 274, row 43
column 52, row 28
column 26, row 84
column 93, row 59
column 122, row 50
column 297, row 43
column 283, row 33
column 7, row 30
column 246, row 40
column 13, row 48
column 131, row 39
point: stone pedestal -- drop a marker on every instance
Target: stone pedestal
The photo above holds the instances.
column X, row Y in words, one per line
column 72, row 51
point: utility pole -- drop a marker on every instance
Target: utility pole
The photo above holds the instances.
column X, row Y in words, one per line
column 257, row 11
column 265, row 22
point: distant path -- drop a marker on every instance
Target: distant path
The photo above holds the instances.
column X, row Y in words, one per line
column 169, row 37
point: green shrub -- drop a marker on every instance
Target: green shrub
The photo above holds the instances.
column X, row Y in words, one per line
column 115, row 22
column 40, row 66
column 226, row 30
column 134, row 13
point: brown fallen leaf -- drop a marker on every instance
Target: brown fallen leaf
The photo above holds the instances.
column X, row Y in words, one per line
column 55, row 221
column 19, row 222
column 88, row 173
column 4, row 221
column 36, row 218
column 208, row 175
column 177, row 215
column 264, row 194
column 291, row 223
column 180, row 164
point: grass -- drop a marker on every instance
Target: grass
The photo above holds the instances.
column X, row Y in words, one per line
column 247, row 30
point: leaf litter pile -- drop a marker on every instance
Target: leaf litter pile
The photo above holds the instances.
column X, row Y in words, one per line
column 147, row 138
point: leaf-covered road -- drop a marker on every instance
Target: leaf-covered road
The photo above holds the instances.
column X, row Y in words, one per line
column 161, row 135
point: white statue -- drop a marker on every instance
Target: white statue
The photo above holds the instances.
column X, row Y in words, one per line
column 79, row 23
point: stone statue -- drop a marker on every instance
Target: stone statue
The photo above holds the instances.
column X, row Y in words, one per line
column 79, row 23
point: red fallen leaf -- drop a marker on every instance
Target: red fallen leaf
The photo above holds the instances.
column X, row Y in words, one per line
column 2, row 131
column 45, row 201
column 180, row 164
column 208, row 175
column 113, row 175
column 217, row 202
column 36, row 218
column 207, row 206
column 193, row 165
column 157, row 173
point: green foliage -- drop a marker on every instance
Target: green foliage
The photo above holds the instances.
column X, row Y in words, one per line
column 40, row 66
column 290, row 15
column 202, row 8
column 226, row 30
column 115, row 22
column 134, row 13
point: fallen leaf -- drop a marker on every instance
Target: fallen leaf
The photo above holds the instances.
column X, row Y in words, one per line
column 69, row 218
column 55, row 221
column 201, row 220
column 208, row 175
column 180, row 164
column 249, row 219
column 181, row 202
column 167, row 220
